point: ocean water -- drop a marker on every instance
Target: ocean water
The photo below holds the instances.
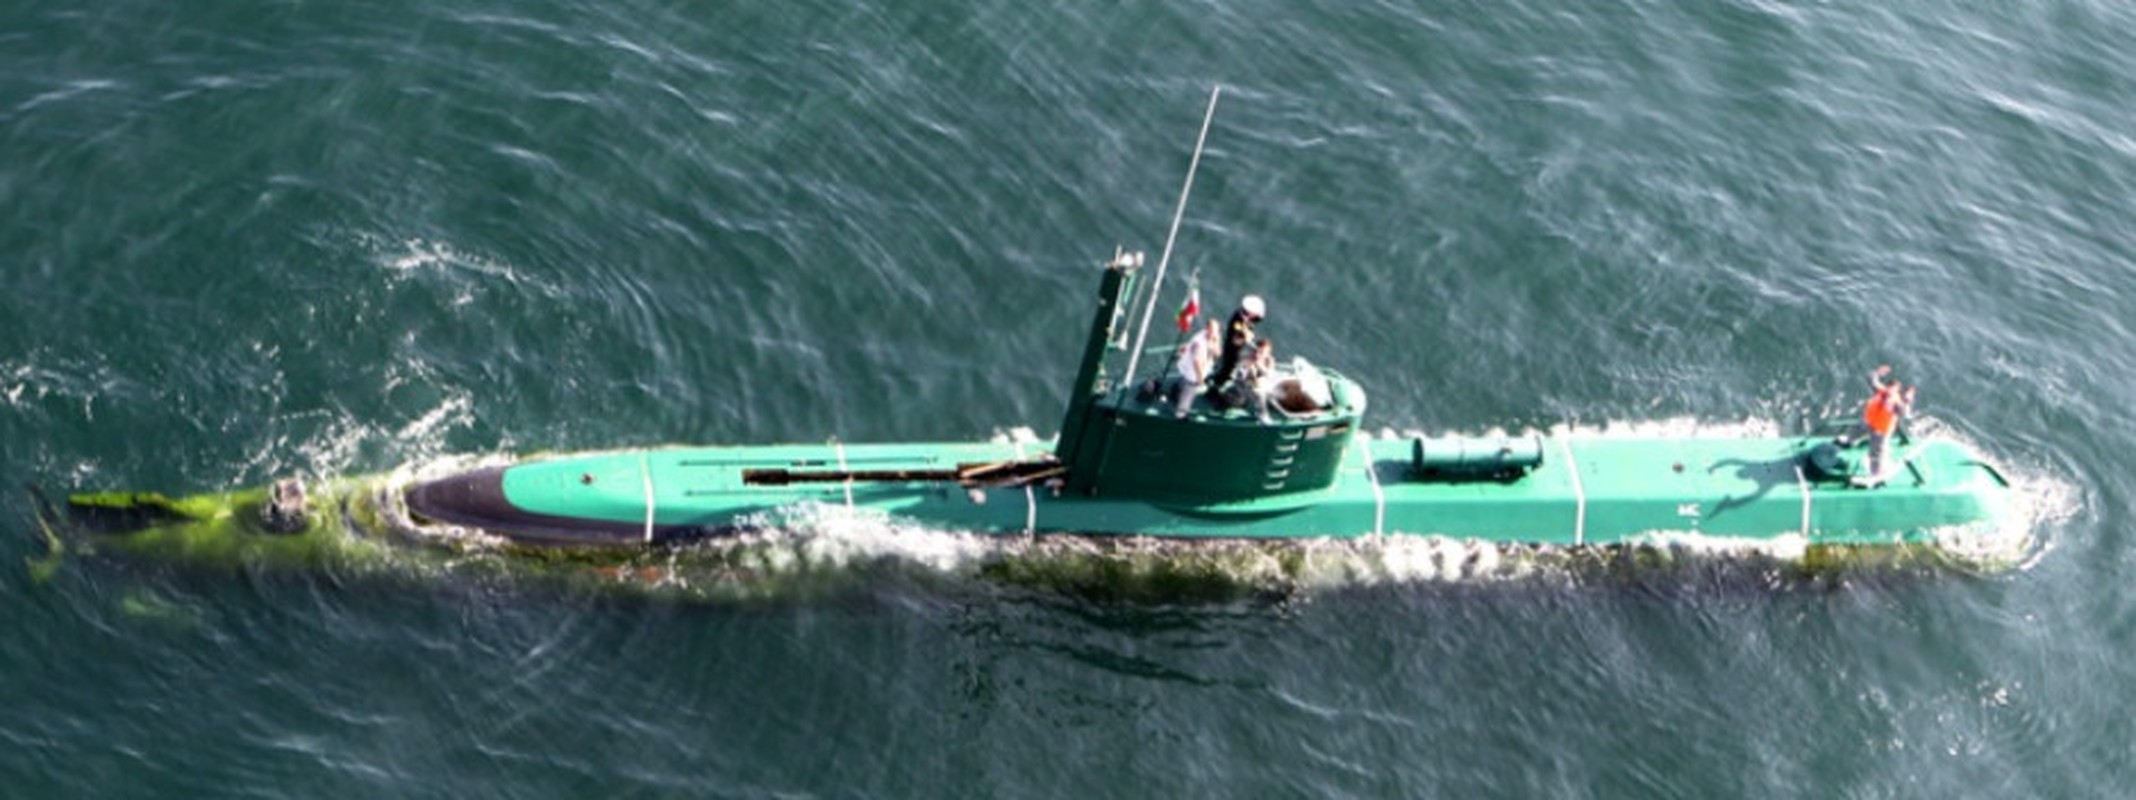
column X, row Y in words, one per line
column 288, row 238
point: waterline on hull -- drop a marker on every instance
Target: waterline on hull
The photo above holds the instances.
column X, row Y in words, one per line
column 362, row 527
column 814, row 548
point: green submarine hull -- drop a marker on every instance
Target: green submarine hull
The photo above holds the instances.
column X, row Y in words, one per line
column 1146, row 489
column 1600, row 491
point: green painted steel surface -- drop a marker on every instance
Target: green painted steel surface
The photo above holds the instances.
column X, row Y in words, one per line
column 1214, row 456
column 1091, row 380
column 1588, row 491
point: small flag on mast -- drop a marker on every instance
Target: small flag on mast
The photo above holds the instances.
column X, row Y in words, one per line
column 1192, row 307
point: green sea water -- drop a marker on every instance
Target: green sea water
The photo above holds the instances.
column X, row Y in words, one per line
column 263, row 239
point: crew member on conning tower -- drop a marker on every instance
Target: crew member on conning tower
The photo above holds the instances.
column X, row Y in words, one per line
column 1238, row 336
column 1191, row 369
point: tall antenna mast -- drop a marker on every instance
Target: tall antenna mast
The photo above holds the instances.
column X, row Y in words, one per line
column 1134, row 356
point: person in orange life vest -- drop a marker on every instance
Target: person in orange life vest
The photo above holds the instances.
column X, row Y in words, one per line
column 1891, row 402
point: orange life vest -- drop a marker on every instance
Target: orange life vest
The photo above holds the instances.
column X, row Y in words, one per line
column 1879, row 414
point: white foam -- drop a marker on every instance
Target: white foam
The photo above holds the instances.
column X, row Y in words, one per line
column 393, row 505
column 80, row 380
column 14, row 379
column 2041, row 502
column 1017, row 435
column 1406, row 559
column 1674, row 427
column 346, row 446
column 416, row 255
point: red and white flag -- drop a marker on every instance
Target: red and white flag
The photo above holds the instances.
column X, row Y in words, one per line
column 1192, row 307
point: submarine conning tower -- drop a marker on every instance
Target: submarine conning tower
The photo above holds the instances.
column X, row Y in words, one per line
column 1119, row 441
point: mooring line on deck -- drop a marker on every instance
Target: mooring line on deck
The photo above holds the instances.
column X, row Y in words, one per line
column 1805, row 484
column 645, row 471
column 1579, row 495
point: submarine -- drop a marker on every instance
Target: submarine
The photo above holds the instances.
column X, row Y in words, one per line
column 1132, row 497
column 1127, row 464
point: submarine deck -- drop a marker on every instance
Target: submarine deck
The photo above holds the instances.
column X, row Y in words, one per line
column 1587, row 491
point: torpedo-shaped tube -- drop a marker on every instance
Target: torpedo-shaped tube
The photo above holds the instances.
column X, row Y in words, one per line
column 1500, row 458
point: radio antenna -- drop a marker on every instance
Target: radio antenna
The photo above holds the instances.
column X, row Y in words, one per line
column 1134, row 356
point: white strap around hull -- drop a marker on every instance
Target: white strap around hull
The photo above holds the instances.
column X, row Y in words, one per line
column 1579, row 495
column 1379, row 496
column 1804, row 483
column 645, row 471
column 842, row 468
column 1030, row 499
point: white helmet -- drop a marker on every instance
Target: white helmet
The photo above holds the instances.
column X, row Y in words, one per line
column 1252, row 305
